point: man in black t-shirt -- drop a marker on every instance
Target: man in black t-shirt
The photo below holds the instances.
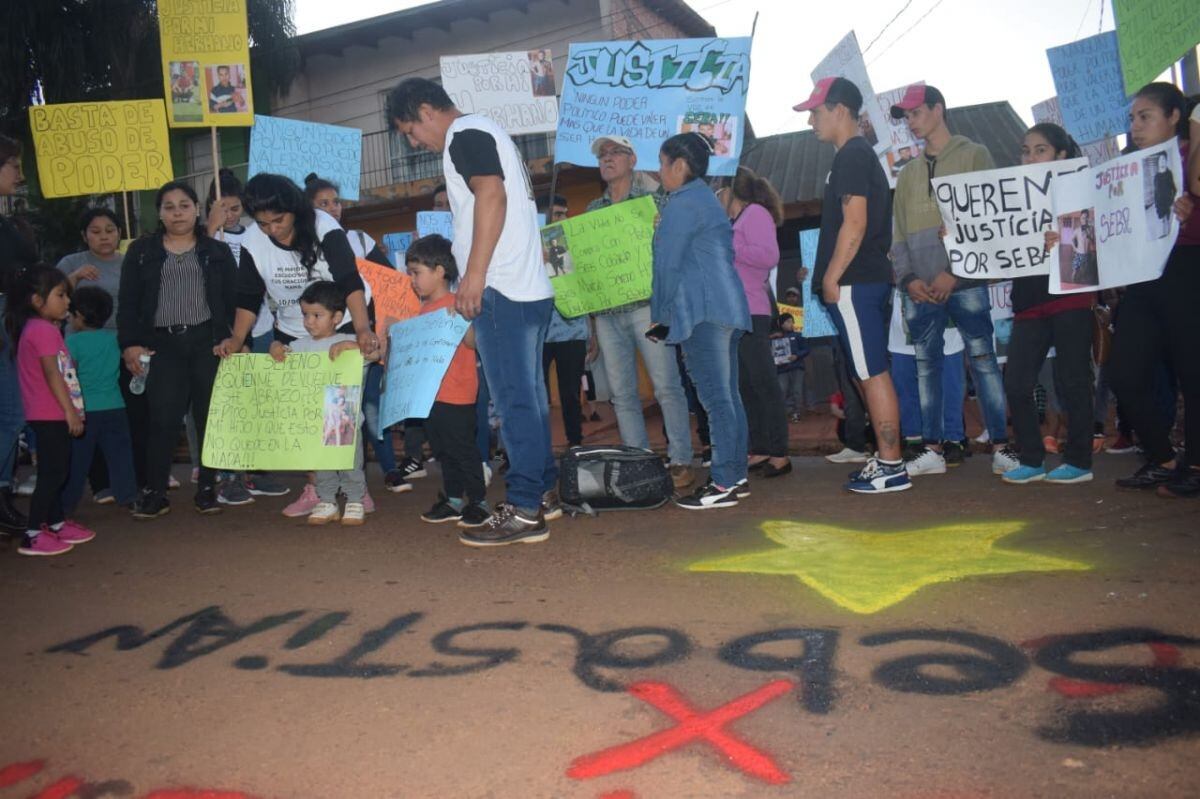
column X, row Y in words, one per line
column 853, row 271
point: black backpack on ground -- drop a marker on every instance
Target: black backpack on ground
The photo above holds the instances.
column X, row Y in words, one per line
column 600, row 478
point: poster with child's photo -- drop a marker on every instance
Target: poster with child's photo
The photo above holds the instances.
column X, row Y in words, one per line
column 718, row 129
column 556, row 252
column 186, row 93
column 341, row 416
column 1159, row 193
column 226, row 86
column 541, row 73
column 1077, row 264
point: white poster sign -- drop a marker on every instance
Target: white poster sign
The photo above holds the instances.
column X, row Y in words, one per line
column 516, row 90
column 845, row 60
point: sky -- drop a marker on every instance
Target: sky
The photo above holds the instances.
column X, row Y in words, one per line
column 975, row 51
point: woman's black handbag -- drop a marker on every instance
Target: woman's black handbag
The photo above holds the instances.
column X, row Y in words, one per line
column 599, row 478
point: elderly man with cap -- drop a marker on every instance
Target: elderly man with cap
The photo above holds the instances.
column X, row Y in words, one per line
column 621, row 331
column 931, row 295
column 853, row 271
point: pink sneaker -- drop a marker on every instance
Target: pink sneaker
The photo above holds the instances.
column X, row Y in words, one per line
column 73, row 532
column 368, row 503
column 44, row 543
column 304, row 503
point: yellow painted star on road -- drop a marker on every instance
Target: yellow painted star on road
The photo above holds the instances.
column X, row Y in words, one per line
column 867, row 572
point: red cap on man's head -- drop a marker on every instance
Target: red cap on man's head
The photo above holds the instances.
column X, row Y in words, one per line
column 831, row 91
column 915, row 95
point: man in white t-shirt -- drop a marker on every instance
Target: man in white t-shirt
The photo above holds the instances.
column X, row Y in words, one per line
column 504, row 289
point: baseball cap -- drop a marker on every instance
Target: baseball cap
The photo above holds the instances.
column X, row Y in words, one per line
column 833, row 90
column 915, row 95
column 620, row 141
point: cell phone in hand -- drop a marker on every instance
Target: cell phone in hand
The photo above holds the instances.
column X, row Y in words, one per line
column 658, row 332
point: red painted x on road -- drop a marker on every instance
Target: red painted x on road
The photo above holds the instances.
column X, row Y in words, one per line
column 693, row 726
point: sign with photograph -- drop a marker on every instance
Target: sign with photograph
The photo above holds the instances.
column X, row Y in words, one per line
column 206, row 63
column 515, row 90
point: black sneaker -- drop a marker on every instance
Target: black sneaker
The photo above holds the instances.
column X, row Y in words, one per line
column 952, row 452
column 412, row 469
column 508, row 525
column 1185, row 485
column 742, row 489
column 150, row 505
column 11, row 519
column 474, row 516
column 709, row 496
column 1150, row 475
column 551, row 505
column 442, row 511
column 394, row 481
column 206, row 500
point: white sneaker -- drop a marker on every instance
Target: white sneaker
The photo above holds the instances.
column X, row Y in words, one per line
column 353, row 515
column 1005, row 460
column 983, row 437
column 926, row 461
column 487, row 474
column 847, row 455
column 326, row 512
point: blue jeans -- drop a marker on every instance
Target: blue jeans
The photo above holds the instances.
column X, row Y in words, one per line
column 12, row 411
column 509, row 337
column 971, row 310
column 711, row 354
column 107, row 431
column 380, row 440
column 621, row 336
column 904, row 376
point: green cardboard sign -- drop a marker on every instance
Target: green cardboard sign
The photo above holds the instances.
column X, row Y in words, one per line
column 601, row 259
column 1152, row 35
column 300, row 414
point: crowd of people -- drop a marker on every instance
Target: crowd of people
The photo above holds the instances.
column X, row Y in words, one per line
column 106, row 357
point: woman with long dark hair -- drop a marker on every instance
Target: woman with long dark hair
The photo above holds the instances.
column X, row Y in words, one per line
column 697, row 302
column 176, row 307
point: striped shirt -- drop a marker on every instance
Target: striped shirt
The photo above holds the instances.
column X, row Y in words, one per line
column 181, row 293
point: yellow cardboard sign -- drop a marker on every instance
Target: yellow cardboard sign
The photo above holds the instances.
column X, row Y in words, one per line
column 97, row 148
column 206, row 62
column 796, row 311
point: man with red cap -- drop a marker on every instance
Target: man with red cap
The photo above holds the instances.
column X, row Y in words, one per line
column 931, row 296
column 853, row 271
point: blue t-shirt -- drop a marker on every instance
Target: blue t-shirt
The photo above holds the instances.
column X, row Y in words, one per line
column 97, row 364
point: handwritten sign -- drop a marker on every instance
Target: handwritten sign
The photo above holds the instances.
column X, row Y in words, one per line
column 902, row 146
column 817, row 322
column 1091, row 91
column 1116, row 222
column 996, row 220
column 601, row 259
column 294, row 148
column 1000, row 295
column 96, row 148
column 845, row 60
column 392, row 292
column 301, row 414
column 397, row 244
column 649, row 90
column 418, row 356
column 206, row 62
column 439, row 222
column 1152, row 35
column 515, row 90
column 795, row 310
column 1096, row 152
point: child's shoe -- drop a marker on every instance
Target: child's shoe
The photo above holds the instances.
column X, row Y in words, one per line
column 73, row 532
column 326, row 512
column 367, row 503
column 43, row 543
column 442, row 511
column 303, row 504
column 353, row 515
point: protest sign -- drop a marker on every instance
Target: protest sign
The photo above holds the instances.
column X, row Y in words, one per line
column 392, row 292
column 845, row 61
column 514, row 90
column 439, row 222
column 650, row 90
column 817, row 322
column 902, row 146
column 295, row 148
column 1091, row 91
column 900, row 337
column 1153, row 34
column 996, row 220
column 1096, row 152
column 96, row 148
column 397, row 244
column 419, row 354
column 1000, row 295
column 1116, row 222
column 206, row 62
column 601, row 259
column 796, row 311
column 299, row 414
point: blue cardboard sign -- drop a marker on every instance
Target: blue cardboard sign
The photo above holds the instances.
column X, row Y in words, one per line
column 295, row 148
column 1091, row 88
column 419, row 354
column 647, row 91
column 817, row 322
column 439, row 222
column 397, row 244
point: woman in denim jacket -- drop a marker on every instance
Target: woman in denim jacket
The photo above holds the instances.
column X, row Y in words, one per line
column 697, row 302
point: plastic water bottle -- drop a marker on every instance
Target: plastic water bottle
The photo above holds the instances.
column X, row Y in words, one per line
column 137, row 385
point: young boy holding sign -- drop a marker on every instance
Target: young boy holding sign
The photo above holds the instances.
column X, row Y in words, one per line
column 323, row 305
column 451, row 422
